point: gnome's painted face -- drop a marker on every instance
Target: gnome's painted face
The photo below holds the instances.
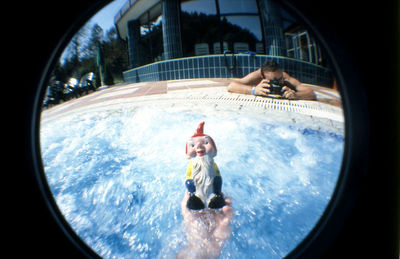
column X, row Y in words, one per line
column 200, row 144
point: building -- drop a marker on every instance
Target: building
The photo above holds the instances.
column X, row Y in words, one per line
column 179, row 39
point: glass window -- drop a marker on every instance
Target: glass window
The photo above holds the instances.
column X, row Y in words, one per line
column 203, row 31
column 242, row 33
column 290, row 45
column 301, row 46
column 151, row 41
column 238, row 6
column 199, row 27
column 249, row 23
column 199, row 6
column 304, row 51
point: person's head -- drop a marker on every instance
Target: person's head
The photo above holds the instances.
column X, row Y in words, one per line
column 200, row 144
column 270, row 70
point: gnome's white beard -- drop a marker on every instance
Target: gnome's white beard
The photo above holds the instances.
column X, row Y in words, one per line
column 203, row 176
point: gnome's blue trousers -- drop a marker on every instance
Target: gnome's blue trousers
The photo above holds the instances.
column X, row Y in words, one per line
column 217, row 185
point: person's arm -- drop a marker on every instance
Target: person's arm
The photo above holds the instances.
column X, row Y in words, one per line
column 300, row 92
column 304, row 93
column 245, row 85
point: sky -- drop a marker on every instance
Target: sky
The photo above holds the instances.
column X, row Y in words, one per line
column 105, row 18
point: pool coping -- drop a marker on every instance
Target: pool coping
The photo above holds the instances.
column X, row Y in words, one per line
column 324, row 114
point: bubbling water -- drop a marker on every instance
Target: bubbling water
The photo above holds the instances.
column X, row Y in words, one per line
column 118, row 178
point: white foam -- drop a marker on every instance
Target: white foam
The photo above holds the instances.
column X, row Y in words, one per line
column 119, row 168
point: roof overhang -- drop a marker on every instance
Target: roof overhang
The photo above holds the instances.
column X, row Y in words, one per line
column 140, row 9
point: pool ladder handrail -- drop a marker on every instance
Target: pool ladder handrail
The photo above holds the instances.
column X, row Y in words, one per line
column 231, row 68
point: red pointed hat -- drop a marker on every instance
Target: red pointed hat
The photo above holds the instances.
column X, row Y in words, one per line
column 200, row 130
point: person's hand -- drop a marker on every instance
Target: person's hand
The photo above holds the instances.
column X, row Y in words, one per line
column 223, row 218
column 262, row 88
column 288, row 93
column 223, row 230
column 206, row 230
column 184, row 209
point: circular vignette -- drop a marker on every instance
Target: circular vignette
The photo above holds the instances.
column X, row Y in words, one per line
column 94, row 7
column 348, row 187
column 354, row 155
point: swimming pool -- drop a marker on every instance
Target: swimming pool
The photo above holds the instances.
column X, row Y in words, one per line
column 118, row 173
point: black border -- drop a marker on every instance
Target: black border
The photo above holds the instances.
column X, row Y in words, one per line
column 355, row 150
column 48, row 197
column 362, row 220
column 41, row 230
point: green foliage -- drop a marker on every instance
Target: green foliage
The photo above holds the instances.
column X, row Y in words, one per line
column 82, row 52
column 82, row 55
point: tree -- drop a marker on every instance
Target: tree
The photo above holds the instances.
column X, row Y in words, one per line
column 96, row 35
column 115, row 55
column 77, row 48
column 80, row 55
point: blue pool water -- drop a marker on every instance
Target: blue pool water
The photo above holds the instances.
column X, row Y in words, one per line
column 118, row 178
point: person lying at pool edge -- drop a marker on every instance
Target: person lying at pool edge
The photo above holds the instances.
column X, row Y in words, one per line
column 203, row 179
column 261, row 83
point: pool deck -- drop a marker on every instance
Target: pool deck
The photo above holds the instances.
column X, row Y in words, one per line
column 203, row 92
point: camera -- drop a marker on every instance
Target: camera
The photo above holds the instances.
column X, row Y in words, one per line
column 275, row 87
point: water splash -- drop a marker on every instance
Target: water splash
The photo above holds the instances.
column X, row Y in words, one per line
column 118, row 178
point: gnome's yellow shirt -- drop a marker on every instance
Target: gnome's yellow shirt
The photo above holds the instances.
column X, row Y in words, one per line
column 189, row 170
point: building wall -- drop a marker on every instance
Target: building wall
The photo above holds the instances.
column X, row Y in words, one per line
column 220, row 66
column 171, row 29
column 179, row 43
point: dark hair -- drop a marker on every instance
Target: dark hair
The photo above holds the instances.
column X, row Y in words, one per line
column 269, row 66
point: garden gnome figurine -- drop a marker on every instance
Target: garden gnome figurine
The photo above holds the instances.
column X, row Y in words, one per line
column 203, row 179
